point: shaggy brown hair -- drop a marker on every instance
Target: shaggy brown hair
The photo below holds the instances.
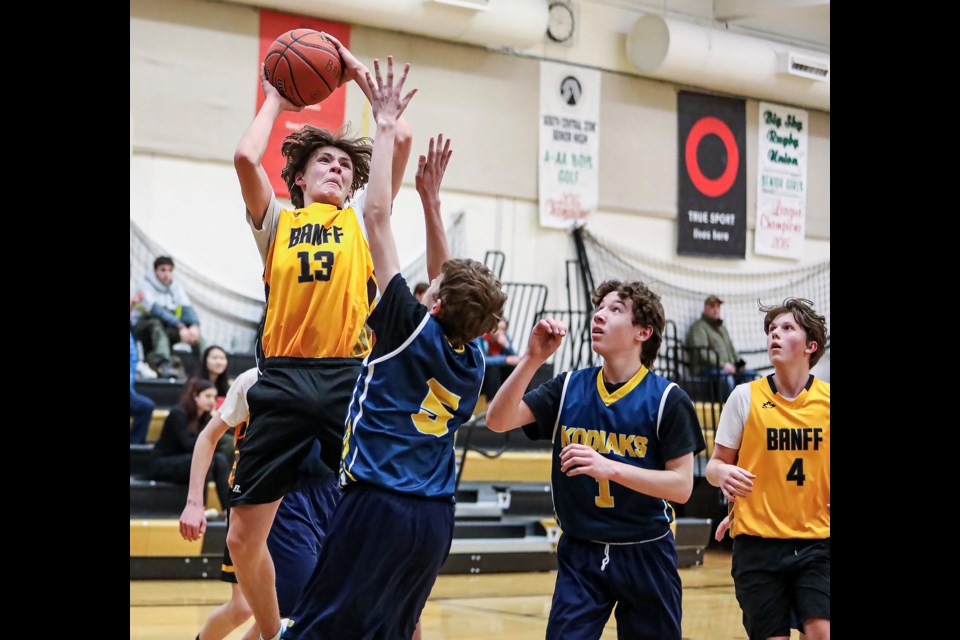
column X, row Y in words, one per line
column 298, row 147
column 647, row 312
column 472, row 300
column 813, row 324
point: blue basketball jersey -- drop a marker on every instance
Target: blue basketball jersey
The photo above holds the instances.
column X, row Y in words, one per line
column 406, row 409
column 623, row 426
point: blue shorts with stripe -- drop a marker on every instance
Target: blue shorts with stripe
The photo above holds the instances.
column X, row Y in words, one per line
column 640, row 579
column 296, row 538
column 377, row 566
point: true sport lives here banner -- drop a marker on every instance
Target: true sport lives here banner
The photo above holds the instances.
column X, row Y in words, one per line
column 712, row 181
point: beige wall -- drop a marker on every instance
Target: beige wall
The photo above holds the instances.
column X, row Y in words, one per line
column 193, row 92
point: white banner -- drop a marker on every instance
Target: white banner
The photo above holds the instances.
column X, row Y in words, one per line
column 569, row 144
column 781, row 181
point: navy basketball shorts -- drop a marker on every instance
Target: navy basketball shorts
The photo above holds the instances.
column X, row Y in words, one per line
column 774, row 578
column 294, row 402
column 640, row 579
column 377, row 566
column 296, row 537
column 298, row 534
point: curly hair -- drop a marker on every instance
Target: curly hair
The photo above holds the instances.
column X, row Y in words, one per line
column 647, row 312
column 472, row 300
column 299, row 146
column 813, row 323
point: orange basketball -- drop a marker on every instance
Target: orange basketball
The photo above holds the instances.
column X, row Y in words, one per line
column 304, row 66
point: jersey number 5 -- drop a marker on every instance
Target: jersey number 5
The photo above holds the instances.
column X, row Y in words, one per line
column 325, row 262
column 434, row 412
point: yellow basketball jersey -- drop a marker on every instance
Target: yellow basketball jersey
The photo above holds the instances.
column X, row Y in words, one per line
column 786, row 444
column 320, row 285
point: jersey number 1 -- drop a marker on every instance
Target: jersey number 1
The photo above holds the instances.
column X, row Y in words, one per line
column 605, row 499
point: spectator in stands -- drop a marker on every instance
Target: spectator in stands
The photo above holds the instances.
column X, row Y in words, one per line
column 498, row 346
column 500, row 358
column 314, row 338
column 771, row 459
column 419, row 290
column 141, row 407
column 213, row 367
column 163, row 317
column 624, row 440
column 709, row 334
column 298, row 530
column 173, row 453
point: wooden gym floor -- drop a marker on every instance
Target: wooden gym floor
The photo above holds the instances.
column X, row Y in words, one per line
column 461, row 607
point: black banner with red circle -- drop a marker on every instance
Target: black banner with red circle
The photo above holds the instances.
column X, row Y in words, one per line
column 712, row 181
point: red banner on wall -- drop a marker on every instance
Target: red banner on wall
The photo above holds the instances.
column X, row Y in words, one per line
column 327, row 114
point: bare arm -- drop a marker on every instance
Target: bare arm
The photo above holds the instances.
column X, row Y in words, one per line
column 507, row 410
column 193, row 523
column 674, row 482
column 723, row 472
column 355, row 70
column 254, row 182
column 388, row 105
column 430, row 170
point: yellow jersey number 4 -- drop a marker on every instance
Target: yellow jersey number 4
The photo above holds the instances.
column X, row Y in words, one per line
column 436, row 410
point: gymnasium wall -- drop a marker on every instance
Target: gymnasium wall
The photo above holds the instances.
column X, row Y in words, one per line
column 193, row 93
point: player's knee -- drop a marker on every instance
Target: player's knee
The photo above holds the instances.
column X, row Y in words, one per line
column 816, row 629
column 238, row 543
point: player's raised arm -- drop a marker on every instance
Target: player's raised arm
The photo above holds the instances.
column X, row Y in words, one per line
column 385, row 96
column 355, row 70
column 254, row 182
column 430, row 170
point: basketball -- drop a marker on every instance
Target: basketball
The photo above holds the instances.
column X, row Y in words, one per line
column 304, row 66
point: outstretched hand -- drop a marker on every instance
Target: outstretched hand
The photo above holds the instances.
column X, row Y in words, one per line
column 270, row 90
column 385, row 96
column 430, row 168
column 545, row 338
column 351, row 66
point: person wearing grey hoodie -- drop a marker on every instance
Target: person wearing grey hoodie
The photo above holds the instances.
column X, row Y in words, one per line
column 164, row 316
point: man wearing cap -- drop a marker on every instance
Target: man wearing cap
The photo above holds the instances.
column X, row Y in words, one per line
column 708, row 333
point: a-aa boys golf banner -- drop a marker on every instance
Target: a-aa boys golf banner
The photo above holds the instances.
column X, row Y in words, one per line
column 569, row 144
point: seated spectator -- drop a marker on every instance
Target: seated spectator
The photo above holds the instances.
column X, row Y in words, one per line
column 141, row 407
column 419, row 290
column 173, row 453
column 500, row 356
column 213, row 367
column 708, row 334
column 164, row 316
column 498, row 346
